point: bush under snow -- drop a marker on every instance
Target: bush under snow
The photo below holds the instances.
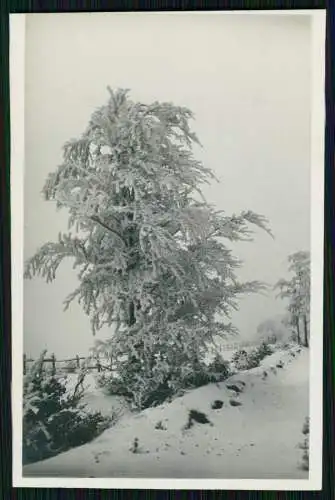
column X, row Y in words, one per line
column 167, row 381
column 244, row 360
column 54, row 420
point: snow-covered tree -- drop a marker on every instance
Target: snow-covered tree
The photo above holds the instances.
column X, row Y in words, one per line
column 150, row 249
column 297, row 291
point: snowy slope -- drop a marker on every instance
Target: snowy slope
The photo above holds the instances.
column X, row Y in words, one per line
column 257, row 439
column 95, row 398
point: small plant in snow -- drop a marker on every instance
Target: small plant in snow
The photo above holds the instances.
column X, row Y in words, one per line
column 199, row 417
column 160, row 426
column 235, row 387
column 217, row 404
column 134, row 448
column 235, row 402
column 54, row 420
column 196, row 416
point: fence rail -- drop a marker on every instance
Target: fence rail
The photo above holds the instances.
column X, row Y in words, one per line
column 77, row 359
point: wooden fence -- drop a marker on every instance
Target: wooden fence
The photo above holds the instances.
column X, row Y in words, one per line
column 107, row 365
column 230, row 346
column 76, row 363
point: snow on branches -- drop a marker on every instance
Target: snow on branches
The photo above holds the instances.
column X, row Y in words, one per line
column 151, row 253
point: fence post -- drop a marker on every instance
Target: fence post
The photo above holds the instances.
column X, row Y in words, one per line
column 98, row 364
column 24, row 364
column 78, row 361
column 53, row 360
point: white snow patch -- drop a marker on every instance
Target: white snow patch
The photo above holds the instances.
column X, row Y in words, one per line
column 95, row 398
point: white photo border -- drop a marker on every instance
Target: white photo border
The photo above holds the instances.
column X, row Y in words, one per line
column 17, row 117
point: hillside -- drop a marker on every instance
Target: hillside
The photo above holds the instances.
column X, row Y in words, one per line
column 256, row 438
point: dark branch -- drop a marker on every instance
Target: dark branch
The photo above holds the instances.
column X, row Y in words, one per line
column 98, row 221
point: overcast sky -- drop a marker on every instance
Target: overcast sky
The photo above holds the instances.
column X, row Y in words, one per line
column 247, row 79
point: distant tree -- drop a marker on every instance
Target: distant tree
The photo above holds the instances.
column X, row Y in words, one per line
column 291, row 327
column 272, row 330
column 150, row 249
column 297, row 292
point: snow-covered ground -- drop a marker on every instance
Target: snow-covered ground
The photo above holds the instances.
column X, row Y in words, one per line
column 95, row 398
column 256, row 439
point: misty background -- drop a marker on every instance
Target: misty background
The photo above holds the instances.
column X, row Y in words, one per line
column 246, row 77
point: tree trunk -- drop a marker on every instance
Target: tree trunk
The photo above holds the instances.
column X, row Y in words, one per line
column 306, row 331
column 131, row 313
column 298, row 331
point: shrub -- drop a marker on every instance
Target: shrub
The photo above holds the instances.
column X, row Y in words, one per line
column 264, row 350
column 304, row 446
column 217, row 371
column 254, row 358
column 167, row 380
column 238, row 355
column 53, row 420
column 219, row 368
column 239, row 359
column 139, row 388
column 244, row 360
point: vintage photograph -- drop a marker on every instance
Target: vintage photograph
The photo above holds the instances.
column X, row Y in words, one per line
column 167, row 246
